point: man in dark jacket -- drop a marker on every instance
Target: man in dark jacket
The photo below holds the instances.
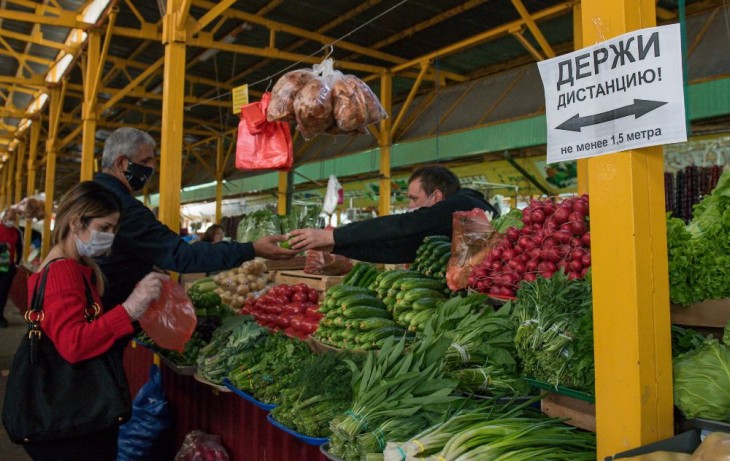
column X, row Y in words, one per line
column 434, row 194
column 142, row 242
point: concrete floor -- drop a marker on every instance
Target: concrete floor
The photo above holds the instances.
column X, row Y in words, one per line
column 9, row 339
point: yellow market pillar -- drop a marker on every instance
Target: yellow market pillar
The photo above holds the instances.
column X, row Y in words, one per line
column 54, row 111
column 19, row 172
column 578, row 44
column 630, row 282
column 88, row 109
column 219, row 167
column 4, row 184
column 281, row 194
column 385, row 140
column 173, row 37
column 35, row 133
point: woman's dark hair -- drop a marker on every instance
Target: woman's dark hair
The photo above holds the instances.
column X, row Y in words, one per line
column 210, row 233
column 436, row 177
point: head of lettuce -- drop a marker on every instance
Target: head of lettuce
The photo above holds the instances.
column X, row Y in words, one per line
column 702, row 380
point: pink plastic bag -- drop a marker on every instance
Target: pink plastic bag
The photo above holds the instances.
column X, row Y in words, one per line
column 199, row 446
column 171, row 320
column 262, row 145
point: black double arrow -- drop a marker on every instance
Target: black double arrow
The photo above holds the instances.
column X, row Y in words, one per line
column 638, row 108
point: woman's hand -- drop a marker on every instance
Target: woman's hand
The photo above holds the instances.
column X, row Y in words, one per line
column 312, row 239
column 147, row 290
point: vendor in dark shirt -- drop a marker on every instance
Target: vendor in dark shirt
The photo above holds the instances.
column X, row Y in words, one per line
column 434, row 194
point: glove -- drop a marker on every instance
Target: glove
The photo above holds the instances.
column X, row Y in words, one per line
column 147, row 290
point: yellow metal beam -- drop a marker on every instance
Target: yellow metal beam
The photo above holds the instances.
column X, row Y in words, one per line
column 582, row 164
column 412, row 94
column 219, row 168
column 54, row 111
column 35, row 39
column 484, row 36
column 211, row 15
column 530, row 22
column 133, row 84
column 629, row 262
column 88, row 117
column 19, row 172
column 183, row 15
column 299, row 32
column 35, row 131
column 172, row 118
column 527, row 45
column 385, row 141
column 65, row 18
column 282, row 189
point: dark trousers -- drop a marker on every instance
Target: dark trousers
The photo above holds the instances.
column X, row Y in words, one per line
column 94, row 447
column 6, row 280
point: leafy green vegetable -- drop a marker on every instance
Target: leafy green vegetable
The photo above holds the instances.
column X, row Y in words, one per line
column 554, row 336
column 702, row 382
column 699, row 254
column 512, row 219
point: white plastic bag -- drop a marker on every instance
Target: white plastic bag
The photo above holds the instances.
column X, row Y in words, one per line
column 332, row 196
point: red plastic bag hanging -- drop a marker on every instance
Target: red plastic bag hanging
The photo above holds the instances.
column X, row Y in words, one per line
column 473, row 237
column 262, row 145
column 170, row 320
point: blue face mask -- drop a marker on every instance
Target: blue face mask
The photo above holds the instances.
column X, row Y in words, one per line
column 137, row 175
column 100, row 243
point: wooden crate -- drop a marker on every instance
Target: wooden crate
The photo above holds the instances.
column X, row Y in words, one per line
column 318, row 282
column 295, row 263
column 713, row 313
column 582, row 414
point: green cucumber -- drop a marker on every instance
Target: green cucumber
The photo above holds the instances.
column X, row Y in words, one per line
column 362, row 312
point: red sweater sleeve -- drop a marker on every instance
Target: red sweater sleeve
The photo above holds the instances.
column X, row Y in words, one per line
column 64, row 322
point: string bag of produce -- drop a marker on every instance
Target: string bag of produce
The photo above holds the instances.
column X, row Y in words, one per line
column 702, row 380
column 170, row 320
column 262, row 145
column 323, row 100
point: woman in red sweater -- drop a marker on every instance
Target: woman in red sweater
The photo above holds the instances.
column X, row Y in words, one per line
column 85, row 225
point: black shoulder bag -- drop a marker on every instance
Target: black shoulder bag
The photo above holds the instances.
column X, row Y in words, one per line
column 48, row 398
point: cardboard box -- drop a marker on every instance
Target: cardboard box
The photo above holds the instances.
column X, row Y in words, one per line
column 318, row 282
column 686, row 442
column 711, row 313
column 582, row 414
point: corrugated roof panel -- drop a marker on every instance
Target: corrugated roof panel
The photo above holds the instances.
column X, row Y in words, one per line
column 712, row 55
column 480, row 97
column 525, row 97
column 429, row 120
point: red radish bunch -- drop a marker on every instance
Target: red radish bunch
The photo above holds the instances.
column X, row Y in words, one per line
column 292, row 308
column 554, row 237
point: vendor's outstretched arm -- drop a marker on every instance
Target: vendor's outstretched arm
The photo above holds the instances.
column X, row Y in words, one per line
column 312, row 239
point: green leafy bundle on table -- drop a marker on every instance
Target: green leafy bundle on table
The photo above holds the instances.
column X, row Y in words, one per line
column 699, row 253
column 397, row 390
column 482, row 354
column 237, row 337
column 511, row 219
column 554, row 337
column 498, row 432
column 188, row 357
column 322, row 389
column 269, row 370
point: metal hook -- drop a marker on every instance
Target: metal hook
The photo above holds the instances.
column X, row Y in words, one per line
column 330, row 50
column 269, row 85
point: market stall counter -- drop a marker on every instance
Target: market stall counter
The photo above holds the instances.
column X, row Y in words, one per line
column 243, row 427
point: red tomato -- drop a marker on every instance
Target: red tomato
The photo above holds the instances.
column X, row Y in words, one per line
column 288, row 291
column 313, row 312
column 301, row 286
column 300, row 297
column 313, row 296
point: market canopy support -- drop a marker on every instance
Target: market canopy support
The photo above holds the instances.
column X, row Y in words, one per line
column 630, row 285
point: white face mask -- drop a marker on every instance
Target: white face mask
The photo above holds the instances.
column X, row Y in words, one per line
column 425, row 203
column 9, row 223
column 100, row 243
